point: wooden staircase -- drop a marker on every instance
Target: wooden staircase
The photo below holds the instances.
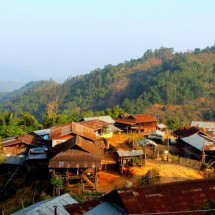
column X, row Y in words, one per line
column 89, row 182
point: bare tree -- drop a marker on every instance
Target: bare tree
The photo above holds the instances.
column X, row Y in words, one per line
column 53, row 98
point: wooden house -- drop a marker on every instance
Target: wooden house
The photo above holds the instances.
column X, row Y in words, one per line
column 110, row 127
column 140, row 123
column 77, row 160
column 17, row 148
column 101, row 128
column 198, row 146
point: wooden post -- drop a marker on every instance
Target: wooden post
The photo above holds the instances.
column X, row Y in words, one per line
column 144, row 154
column 167, row 146
column 203, row 152
column 23, row 207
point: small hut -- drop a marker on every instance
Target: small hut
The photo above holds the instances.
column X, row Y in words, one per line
column 129, row 158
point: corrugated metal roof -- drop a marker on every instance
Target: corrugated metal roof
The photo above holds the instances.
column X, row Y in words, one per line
column 169, row 197
column 83, row 131
column 114, row 128
column 157, row 133
column 42, row 132
column 161, row 126
column 89, row 147
column 186, row 131
column 15, row 159
column 143, row 118
column 130, row 153
column 23, row 138
column 197, row 140
column 203, row 124
column 107, row 119
column 72, row 128
column 60, row 130
column 135, row 118
column 105, row 208
column 147, row 142
column 86, row 154
column 94, row 124
column 210, row 147
column 125, row 121
column 47, row 207
column 74, row 158
column 81, row 208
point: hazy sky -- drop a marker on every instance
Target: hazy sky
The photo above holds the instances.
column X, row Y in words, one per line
column 42, row 39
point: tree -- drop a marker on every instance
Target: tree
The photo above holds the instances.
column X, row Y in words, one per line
column 117, row 111
column 7, row 119
column 173, row 123
column 53, row 98
column 10, row 131
column 56, row 182
column 27, row 120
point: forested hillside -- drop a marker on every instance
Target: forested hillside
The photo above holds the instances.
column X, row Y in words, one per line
column 161, row 80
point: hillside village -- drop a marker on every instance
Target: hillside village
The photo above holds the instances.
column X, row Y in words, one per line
column 119, row 161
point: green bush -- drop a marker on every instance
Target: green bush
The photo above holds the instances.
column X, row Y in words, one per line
column 57, row 181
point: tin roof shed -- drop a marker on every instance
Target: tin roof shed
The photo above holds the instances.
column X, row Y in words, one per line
column 198, row 140
column 47, row 207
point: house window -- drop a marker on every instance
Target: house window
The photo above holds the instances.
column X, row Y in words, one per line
column 61, row 164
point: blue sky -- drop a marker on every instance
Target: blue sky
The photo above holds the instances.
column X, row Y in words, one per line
column 43, row 39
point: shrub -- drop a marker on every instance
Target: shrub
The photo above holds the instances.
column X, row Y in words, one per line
column 57, row 181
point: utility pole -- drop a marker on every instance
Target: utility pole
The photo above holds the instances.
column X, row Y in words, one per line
column 167, row 145
column 203, row 151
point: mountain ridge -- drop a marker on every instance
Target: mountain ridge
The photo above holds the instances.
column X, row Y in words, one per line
column 158, row 77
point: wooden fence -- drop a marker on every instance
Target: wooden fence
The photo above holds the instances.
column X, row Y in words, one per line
column 185, row 162
column 159, row 155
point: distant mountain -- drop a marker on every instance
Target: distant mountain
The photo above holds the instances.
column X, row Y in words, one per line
column 174, row 84
column 9, row 86
column 32, row 86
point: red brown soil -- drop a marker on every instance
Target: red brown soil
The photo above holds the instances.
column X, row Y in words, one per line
column 109, row 179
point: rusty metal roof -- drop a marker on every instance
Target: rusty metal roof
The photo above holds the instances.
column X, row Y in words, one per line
column 186, row 131
column 210, row 147
column 83, row 131
column 60, row 130
column 72, row 128
column 125, row 121
column 81, row 208
column 63, row 146
column 94, row 207
column 143, row 118
column 89, row 147
column 23, row 138
column 135, row 118
column 74, row 158
column 169, row 197
column 85, row 151
column 95, row 124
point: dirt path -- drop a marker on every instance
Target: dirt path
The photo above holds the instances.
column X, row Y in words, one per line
column 109, row 179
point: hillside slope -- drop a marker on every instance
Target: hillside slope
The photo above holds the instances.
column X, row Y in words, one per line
column 159, row 77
